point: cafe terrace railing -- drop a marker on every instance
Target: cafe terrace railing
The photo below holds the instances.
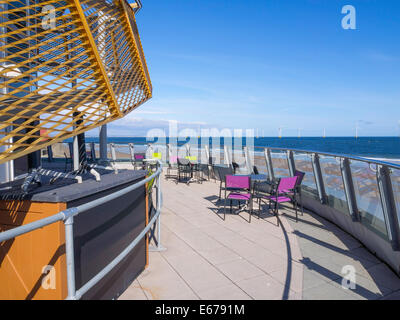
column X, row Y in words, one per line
column 67, row 216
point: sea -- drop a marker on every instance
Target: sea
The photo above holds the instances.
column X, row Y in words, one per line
column 381, row 148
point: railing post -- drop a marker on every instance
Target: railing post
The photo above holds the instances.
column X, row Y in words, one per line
column 319, row 180
column 75, row 150
column 187, row 145
column 209, row 163
column 247, row 158
column 291, row 163
column 168, row 152
column 149, row 151
column 268, row 160
column 228, row 159
column 389, row 206
column 349, row 189
column 103, row 142
column 159, row 246
column 113, row 154
column 69, row 253
column 132, row 151
column 93, row 151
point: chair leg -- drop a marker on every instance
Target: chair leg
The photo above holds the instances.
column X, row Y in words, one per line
column 220, row 188
column 224, row 208
column 301, row 203
column 230, row 202
column 277, row 213
column 258, row 214
column 250, row 204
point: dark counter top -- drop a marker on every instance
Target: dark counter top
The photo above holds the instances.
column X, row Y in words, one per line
column 66, row 190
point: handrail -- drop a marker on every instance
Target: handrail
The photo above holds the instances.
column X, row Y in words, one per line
column 339, row 155
column 67, row 217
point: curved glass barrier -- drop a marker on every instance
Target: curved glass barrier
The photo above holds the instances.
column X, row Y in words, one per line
column 368, row 198
column 259, row 161
column 333, row 182
column 303, row 163
column 395, row 177
column 239, row 158
column 280, row 164
column 218, row 156
column 121, row 151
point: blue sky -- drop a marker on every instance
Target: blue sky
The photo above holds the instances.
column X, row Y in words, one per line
column 266, row 64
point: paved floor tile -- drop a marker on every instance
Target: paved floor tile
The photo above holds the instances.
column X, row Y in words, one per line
column 238, row 270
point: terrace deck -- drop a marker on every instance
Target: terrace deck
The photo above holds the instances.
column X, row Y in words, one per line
column 209, row 258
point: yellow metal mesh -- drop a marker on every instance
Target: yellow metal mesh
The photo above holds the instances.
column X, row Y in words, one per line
column 61, row 77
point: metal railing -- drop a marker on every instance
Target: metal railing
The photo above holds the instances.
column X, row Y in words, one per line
column 67, row 216
column 382, row 178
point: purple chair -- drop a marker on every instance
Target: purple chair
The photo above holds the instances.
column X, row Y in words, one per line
column 139, row 156
column 242, row 191
column 283, row 193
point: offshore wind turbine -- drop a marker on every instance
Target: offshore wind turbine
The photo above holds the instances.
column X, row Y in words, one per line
column 280, row 132
column 299, row 132
column 324, row 134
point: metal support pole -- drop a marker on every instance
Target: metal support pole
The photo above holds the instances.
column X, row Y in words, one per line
column 228, row 159
column 132, row 151
column 149, row 151
column 207, row 151
column 158, row 223
column 247, row 158
column 77, row 146
column 159, row 246
column 75, row 156
column 168, row 152
column 187, row 145
column 92, row 151
column 268, row 160
column 291, row 163
column 319, row 179
column 113, row 154
column 389, row 206
column 69, row 253
column 103, row 142
column 349, row 189
column 209, row 162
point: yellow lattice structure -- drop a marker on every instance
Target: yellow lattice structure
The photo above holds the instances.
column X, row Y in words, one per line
column 66, row 67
